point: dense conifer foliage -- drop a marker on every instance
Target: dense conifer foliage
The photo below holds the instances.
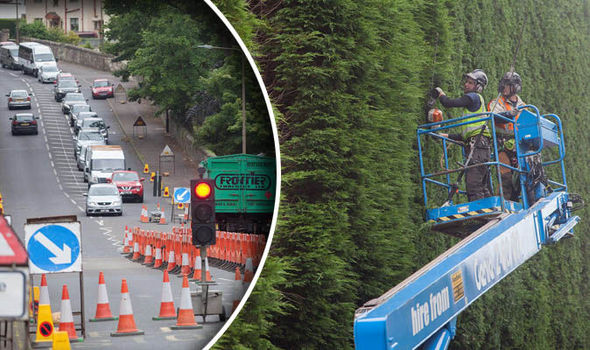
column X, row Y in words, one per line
column 349, row 81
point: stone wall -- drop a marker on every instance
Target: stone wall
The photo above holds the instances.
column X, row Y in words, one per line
column 79, row 55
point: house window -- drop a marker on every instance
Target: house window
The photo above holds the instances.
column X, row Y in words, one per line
column 37, row 1
column 55, row 3
column 74, row 24
column 97, row 25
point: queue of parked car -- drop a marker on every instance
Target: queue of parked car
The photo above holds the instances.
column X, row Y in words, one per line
column 103, row 166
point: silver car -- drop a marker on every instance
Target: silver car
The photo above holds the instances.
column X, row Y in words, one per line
column 70, row 99
column 95, row 123
column 91, row 136
column 103, row 199
column 19, row 99
column 48, row 74
column 75, row 109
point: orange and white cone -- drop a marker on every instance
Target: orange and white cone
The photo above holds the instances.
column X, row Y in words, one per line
column 186, row 267
column 207, row 272
column 186, row 315
column 162, row 217
column 103, row 309
column 136, row 253
column 66, row 323
column 149, row 258
column 44, row 292
column 144, row 215
column 171, row 261
column 167, row 310
column 126, row 242
column 197, row 274
column 158, row 260
column 237, row 289
column 126, row 325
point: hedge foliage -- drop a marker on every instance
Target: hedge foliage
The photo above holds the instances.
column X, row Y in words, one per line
column 349, row 81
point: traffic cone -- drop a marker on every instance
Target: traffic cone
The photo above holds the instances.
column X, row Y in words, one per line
column 186, row 315
column 61, row 341
column 237, row 289
column 103, row 309
column 167, row 310
column 44, row 292
column 144, row 215
column 158, row 260
column 207, row 272
column 162, row 217
column 149, row 258
column 186, row 267
column 197, row 274
column 44, row 324
column 66, row 323
column 126, row 242
column 136, row 254
column 126, row 325
column 171, row 261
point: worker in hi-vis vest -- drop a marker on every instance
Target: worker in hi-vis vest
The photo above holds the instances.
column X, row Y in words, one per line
column 475, row 136
column 507, row 102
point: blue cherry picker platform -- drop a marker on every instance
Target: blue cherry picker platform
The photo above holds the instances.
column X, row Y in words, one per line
column 498, row 234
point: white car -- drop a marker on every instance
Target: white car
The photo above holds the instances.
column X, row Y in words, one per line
column 103, row 199
column 48, row 74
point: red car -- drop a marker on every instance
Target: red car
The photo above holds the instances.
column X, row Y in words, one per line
column 102, row 88
column 129, row 183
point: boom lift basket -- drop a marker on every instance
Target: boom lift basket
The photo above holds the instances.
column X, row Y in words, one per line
column 533, row 133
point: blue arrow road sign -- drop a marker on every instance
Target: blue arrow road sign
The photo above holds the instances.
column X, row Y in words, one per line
column 53, row 248
column 182, row 195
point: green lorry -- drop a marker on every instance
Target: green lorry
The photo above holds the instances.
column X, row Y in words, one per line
column 245, row 189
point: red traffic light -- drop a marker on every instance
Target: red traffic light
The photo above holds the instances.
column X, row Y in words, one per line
column 203, row 190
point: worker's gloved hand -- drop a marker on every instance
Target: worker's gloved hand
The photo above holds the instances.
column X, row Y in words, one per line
column 439, row 91
column 513, row 112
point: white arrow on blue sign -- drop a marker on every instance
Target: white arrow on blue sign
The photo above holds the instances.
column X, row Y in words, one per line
column 54, row 247
column 182, row 195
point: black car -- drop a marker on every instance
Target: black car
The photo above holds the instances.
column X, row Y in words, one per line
column 24, row 123
column 63, row 87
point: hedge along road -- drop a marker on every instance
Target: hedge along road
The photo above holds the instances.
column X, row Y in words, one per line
column 39, row 177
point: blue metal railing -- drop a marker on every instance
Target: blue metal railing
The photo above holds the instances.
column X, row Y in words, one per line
column 432, row 130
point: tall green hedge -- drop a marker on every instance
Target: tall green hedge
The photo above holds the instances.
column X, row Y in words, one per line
column 349, row 80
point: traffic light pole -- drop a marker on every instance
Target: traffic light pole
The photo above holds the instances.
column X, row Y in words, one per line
column 204, row 284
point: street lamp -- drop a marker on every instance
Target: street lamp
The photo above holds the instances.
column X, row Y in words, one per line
column 211, row 47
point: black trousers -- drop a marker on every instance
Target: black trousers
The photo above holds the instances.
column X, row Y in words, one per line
column 477, row 179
